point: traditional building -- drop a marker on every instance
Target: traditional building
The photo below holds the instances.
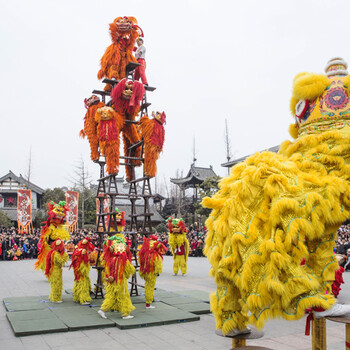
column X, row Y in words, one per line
column 231, row 163
column 195, row 177
column 184, row 205
column 9, row 184
column 124, row 204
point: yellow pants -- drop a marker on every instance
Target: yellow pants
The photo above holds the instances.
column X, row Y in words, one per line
column 179, row 262
column 150, row 283
column 81, row 290
column 117, row 298
column 56, row 283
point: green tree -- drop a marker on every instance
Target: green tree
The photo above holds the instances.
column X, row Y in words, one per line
column 39, row 219
column 207, row 189
column 5, row 220
column 56, row 195
column 162, row 227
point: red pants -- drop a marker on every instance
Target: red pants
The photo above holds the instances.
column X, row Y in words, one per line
column 140, row 71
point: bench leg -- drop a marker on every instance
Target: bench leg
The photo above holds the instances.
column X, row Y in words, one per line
column 319, row 340
column 347, row 336
column 238, row 342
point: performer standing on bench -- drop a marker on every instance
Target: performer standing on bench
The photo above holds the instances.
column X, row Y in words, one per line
column 140, row 56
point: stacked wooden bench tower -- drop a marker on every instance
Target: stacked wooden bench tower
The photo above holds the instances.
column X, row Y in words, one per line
column 107, row 189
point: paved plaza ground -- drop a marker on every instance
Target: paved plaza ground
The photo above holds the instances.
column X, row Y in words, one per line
column 18, row 278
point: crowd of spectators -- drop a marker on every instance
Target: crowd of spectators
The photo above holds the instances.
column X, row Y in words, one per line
column 15, row 246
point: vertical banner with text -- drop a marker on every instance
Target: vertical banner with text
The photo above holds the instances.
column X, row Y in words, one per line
column 24, row 211
column 72, row 200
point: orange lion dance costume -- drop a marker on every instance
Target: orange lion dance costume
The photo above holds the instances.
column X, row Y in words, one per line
column 124, row 32
column 81, row 267
column 55, row 259
column 53, row 230
column 127, row 96
column 116, row 258
column 109, row 126
column 152, row 131
column 151, row 265
column 90, row 125
column 178, row 244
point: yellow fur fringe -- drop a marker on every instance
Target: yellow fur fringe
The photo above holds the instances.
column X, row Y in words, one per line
column 271, row 212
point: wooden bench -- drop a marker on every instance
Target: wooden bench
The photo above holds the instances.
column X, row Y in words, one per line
column 239, row 341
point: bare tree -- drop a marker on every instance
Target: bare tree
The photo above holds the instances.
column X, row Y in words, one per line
column 81, row 181
column 227, row 145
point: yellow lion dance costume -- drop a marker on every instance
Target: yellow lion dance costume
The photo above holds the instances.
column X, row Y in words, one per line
column 116, row 258
column 151, row 265
column 54, row 229
column 178, row 243
column 276, row 210
column 55, row 260
column 81, row 268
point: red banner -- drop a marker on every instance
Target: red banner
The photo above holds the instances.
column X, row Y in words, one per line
column 24, row 210
column 72, row 201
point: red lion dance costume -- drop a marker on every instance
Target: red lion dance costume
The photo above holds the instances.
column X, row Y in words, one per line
column 127, row 96
column 116, row 258
column 124, row 32
column 53, row 230
column 55, row 259
column 90, row 125
column 178, row 244
column 151, row 265
column 81, row 266
column 152, row 131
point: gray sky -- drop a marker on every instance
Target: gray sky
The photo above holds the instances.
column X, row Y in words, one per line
column 209, row 60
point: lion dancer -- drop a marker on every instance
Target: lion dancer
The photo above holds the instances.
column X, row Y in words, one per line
column 55, row 260
column 53, row 229
column 124, row 32
column 119, row 223
column 151, row 265
column 153, row 133
column 178, row 244
column 116, row 259
column 109, row 125
column 92, row 104
column 81, row 267
column 127, row 97
column 140, row 71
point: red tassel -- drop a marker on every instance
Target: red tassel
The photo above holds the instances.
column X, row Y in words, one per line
column 309, row 318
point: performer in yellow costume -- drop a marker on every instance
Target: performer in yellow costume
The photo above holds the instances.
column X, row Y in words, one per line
column 151, row 265
column 276, row 210
column 54, row 229
column 55, row 260
column 116, row 258
column 81, row 267
column 178, row 244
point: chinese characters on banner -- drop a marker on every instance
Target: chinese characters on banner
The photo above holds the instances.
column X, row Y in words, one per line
column 72, row 200
column 24, row 211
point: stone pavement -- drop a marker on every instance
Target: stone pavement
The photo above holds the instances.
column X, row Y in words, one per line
column 18, row 278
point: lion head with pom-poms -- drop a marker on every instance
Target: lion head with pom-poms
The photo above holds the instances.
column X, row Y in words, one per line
column 124, row 32
column 176, row 226
column 321, row 102
column 127, row 96
column 57, row 213
column 116, row 253
column 81, row 255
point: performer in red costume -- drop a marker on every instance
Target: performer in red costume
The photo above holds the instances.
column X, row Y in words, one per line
column 140, row 71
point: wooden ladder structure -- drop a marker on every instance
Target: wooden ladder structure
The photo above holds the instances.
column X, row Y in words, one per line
column 107, row 192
